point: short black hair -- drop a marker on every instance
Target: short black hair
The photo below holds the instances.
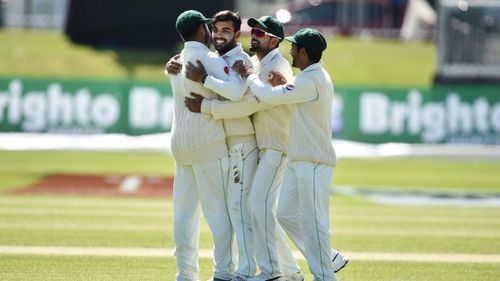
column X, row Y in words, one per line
column 227, row 15
column 189, row 34
column 314, row 56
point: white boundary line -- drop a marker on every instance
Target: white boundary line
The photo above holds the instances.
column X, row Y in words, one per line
column 161, row 142
column 204, row 253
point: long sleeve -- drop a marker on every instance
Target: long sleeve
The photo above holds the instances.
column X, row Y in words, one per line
column 301, row 90
column 228, row 85
column 233, row 89
column 220, row 109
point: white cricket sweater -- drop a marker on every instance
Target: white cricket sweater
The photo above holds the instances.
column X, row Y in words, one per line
column 271, row 122
column 310, row 98
column 197, row 138
column 238, row 129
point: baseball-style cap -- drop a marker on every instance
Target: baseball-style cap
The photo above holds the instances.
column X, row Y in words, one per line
column 190, row 20
column 271, row 24
column 309, row 38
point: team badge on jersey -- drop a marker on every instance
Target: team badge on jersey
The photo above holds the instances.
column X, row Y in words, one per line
column 226, row 69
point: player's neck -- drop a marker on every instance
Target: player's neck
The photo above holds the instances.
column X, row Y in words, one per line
column 263, row 54
column 224, row 51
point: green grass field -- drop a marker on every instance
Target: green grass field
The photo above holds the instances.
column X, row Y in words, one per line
column 414, row 239
column 358, row 224
column 349, row 61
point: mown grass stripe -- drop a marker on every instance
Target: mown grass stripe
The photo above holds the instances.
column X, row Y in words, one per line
column 206, row 253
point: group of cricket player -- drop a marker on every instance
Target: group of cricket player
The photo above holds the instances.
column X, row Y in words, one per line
column 253, row 150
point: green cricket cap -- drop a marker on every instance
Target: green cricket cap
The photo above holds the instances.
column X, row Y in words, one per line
column 270, row 24
column 309, row 38
column 189, row 20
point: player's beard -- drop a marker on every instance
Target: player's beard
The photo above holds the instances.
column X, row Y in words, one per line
column 225, row 47
column 255, row 45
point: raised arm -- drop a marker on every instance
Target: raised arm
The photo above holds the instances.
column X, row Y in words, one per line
column 215, row 75
column 236, row 87
column 173, row 66
column 225, row 109
column 247, row 106
column 300, row 90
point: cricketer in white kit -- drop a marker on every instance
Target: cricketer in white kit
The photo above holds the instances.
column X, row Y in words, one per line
column 303, row 209
column 240, row 136
column 271, row 123
column 202, row 165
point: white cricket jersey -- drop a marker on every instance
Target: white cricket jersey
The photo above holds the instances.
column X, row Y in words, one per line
column 197, row 138
column 237, row 129
column 310, row 98
column 271, row 122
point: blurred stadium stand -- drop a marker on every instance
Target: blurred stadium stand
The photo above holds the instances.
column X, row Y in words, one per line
column 108, row 23
column 1, row 14
column 131, row 23
column 35, row 14
column 419, row 21
column 350, row 17
column 382, row 18
column 468, row 41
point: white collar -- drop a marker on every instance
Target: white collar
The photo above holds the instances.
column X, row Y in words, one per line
column 313, row 66
column 270, row 56
column 238, row 49
column 194, row 44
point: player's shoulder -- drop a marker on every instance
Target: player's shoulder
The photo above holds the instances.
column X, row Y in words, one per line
column 212, row 56
column 244, row 57
column 282, row 65
column 279, row 59
column 212, row 60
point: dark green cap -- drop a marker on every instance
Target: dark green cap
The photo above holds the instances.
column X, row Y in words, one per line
column 271, row 24
column 189, row 20
column 309, row 38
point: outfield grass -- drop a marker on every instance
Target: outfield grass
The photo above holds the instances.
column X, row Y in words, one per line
column 19, row 168
column 349, row 61
column 358, row 224
column 68, row 221
column 429, row 173
column 107, row 269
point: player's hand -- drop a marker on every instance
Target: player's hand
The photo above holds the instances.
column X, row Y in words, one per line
column 194, row 103
column 195, row 73
column 173, row 66
column 276, row 78
column 242, row 69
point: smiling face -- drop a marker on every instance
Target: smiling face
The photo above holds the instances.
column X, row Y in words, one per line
column 261, row 41
column 224, row 36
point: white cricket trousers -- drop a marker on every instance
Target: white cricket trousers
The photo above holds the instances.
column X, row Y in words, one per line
column 243, row 159
column 303, row 212
column 206, row 184
column 273, row 254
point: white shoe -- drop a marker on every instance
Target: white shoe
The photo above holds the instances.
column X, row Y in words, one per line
column 294, row 277
column 339, row 262
column 266, row 277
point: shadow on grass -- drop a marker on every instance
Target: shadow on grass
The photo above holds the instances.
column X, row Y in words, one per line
column 131, row 59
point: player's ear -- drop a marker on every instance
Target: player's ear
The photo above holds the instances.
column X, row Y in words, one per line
column 202, row 30
column 303, row 51
column 237, row 35
column 275, row 41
